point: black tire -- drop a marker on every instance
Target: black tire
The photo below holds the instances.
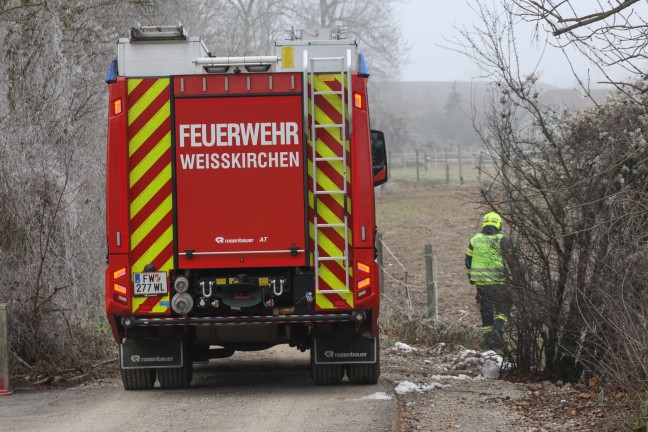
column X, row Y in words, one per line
column 178, row 377
column 138, row 379
column 175, row 378
column 326, row 374
column 365, row 373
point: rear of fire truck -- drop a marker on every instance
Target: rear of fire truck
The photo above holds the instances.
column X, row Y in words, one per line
column 240, row 206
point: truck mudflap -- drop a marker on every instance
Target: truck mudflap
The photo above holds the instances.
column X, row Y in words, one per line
column 344, row 349
column 128, row 322
column 151, row 353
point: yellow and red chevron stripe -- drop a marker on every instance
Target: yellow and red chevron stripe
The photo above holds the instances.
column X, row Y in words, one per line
column 330, row 208
column 149, row 164
column 151, row 305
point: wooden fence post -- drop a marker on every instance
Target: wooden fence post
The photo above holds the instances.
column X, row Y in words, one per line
column 447, row 168
column 430, row 284
column 407, row 294
column 461, row 177
column 417, row 166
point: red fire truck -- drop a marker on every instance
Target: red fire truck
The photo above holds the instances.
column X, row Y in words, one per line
column 240, row 206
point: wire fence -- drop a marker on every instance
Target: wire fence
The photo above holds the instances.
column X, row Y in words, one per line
column 400, row 278
column 450, row 168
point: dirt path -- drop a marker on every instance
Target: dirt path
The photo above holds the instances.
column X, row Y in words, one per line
column 467, row 405
column 272, row 391
column 263, row 391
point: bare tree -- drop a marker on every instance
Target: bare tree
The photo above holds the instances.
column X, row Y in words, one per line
column 257, row 23
column 374, row 24
column 240, row 27
column 611, row 33
column 52, row 113
column 572, row 187
column 228, row 27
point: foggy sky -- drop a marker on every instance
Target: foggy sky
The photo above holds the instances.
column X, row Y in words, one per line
column 429, row 23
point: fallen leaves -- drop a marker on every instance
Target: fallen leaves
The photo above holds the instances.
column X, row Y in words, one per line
column 572, row 408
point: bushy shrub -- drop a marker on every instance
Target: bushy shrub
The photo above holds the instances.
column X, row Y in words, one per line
column 572, row 188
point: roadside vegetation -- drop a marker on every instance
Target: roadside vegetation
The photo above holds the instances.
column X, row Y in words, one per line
column 572, row 188
column 419, row 330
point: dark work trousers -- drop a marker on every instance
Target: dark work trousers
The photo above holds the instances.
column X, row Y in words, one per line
column 495, row 307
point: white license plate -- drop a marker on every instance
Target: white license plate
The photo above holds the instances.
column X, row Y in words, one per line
column 150, row 284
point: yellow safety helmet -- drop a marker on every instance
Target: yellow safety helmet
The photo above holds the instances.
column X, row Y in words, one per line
column 492, row 219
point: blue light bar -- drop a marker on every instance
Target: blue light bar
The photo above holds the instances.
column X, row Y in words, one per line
column 363, row 68
column 111, row 77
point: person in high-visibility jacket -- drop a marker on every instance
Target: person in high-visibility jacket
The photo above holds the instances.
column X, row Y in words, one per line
column 486, row 270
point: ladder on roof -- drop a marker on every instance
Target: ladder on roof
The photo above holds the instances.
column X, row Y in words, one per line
column 339, row 129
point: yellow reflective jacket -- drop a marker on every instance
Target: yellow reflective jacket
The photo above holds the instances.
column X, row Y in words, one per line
column 484, row 262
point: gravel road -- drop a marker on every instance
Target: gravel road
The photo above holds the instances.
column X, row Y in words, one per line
column 272, row 391
column 258, row 391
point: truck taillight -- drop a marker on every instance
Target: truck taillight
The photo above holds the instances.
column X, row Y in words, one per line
column 363, row 267
column 117, row 107
column 364, row 283
column 120, row 291
column 119, row 288
column 357, row 100
column 364, row 288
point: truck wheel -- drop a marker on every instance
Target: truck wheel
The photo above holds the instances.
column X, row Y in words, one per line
column 365, row 373
column 326, row 374
column 138, row 379
column 176, row 378
column 360, row 373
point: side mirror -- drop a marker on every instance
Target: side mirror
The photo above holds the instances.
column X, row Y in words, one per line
column 379, row 157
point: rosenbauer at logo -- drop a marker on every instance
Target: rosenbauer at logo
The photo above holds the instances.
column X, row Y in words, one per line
column 137, row 359
column 332, row 354
column 222, row 240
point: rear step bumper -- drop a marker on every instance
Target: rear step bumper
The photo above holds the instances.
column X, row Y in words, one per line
column 130, row 321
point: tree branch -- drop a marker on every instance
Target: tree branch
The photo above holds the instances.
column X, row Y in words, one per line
column 590, row 19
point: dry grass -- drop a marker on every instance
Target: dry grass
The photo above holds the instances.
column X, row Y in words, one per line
column 418, row 330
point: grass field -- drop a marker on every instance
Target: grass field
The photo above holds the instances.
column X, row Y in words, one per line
column 412, row 214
